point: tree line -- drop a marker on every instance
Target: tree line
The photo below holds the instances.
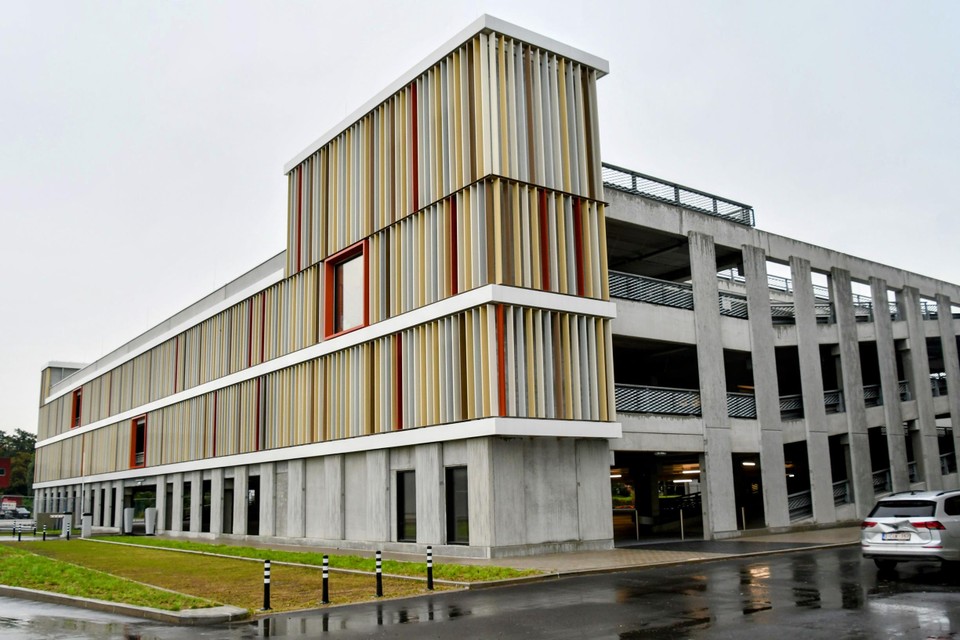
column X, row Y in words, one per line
column 19, row 447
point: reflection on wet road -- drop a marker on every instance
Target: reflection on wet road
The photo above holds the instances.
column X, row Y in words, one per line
column 818, row 594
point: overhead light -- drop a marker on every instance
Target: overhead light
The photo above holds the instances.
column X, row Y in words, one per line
column 690, row 471
column 790, row 475
column 748, row 463
column 682, row 481
column 659, row 453
column 616, row 475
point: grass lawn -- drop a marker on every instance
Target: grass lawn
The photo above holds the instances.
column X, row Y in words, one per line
column 235, row 582
column 454, row 572
column 19, row 568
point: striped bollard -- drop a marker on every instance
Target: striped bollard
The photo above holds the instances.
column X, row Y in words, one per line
column 44, row 533
column 19, row 531
column 325, row 597
column 379, row 574
column 266, row 585
column 430, row 568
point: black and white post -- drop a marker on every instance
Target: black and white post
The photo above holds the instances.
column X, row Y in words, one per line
column 266, row 585
column 379, row 574
column 325, row 596
column 44, row 533
column 430, row 568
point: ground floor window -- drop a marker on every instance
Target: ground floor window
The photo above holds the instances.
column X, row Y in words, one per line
column 458, row 519
column 406, row 506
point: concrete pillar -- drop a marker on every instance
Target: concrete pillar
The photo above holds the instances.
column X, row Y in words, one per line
column 764, row 356
column 480, row 481
column 108, row 504
column 861, row 480
column 161, row 503
column 118, row 504
column 97, row 505
column 889, row 386
column 928, row 453
column 216, row 501
column 196, row 501
column 177, row 507
column 296, row 486
column 951, row 362
column 719, row 499
column 241, row 476
column 430, row 499
column 811, row 381
column 378, row 494
column 332, row 506
column 268, row 496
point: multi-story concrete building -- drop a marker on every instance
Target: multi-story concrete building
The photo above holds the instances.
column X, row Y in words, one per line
column 481, row 338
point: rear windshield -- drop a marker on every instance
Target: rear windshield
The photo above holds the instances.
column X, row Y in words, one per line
column 904, row 509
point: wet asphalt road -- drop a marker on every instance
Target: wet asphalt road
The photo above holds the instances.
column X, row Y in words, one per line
column 817, row 594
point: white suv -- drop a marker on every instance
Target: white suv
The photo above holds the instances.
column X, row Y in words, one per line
column 913, row 525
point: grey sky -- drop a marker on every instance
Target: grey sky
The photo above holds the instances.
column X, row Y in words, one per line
column 142, row 144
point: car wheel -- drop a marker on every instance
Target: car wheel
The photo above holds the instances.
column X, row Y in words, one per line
column 885, row 565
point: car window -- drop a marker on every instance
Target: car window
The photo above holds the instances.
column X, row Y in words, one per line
column 951, row 506
column 904, row 509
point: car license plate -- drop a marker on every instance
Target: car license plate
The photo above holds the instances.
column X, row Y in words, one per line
column 899, row 536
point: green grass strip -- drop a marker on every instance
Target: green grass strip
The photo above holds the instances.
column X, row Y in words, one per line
column 453, row 572
column 19, row 568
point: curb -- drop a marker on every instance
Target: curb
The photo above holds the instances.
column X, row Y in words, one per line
column 187, row 617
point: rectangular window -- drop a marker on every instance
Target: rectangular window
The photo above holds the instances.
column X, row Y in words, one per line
column 138, row 442
column 406, row 506
column 458, row 519
column 345, row 280
column 76, row 408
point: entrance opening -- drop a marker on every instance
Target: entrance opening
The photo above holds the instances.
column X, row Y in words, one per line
column 748, row 488
column 205, row 506
column 226, row 514
column 656, row 495
column 253, row 505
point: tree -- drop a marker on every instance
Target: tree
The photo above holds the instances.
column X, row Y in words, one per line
column 19, row 447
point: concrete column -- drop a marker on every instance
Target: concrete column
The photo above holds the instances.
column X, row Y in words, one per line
column 811, row 381
column 268, row 496
column 378, row 494
column 118, row 504
column 86, row 498
column 889, row 386
column 241, row 476
column 928, row 454
column 430, row 499
column 196, row 501
column 216, row 501
column 862, row 469
column 719, row 499
column 177, row 508
column 332, row 506
column 296, row 485
column 108, row 504
column 764, row 356
column 97, row 505
column 480, row 481
column 951, row 362
column 161, row 503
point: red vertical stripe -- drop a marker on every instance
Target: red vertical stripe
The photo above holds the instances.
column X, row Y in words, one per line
column 578, row 244
column 544, row 242
column 501, row 362
column 263, row 324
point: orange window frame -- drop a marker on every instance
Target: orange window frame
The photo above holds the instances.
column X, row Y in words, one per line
column 76, row 407
column 329, row 288
column 133, row 442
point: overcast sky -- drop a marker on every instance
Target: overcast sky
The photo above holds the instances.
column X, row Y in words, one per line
column 142, row 144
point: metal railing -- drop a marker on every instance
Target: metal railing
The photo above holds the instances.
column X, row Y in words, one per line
column 733, row 305
column 632, row 398
column 800, row 505
column 833, row 401
column 882, row 482
column 938, row 386
column 644, row 289
column 791, row 406
column 948, row 463
column 138, row 458
column 741, row 405
column 676, row 194
column 841, row 493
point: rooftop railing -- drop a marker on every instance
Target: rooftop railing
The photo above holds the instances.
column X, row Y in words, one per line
column 652, row 290
column 676, row 194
